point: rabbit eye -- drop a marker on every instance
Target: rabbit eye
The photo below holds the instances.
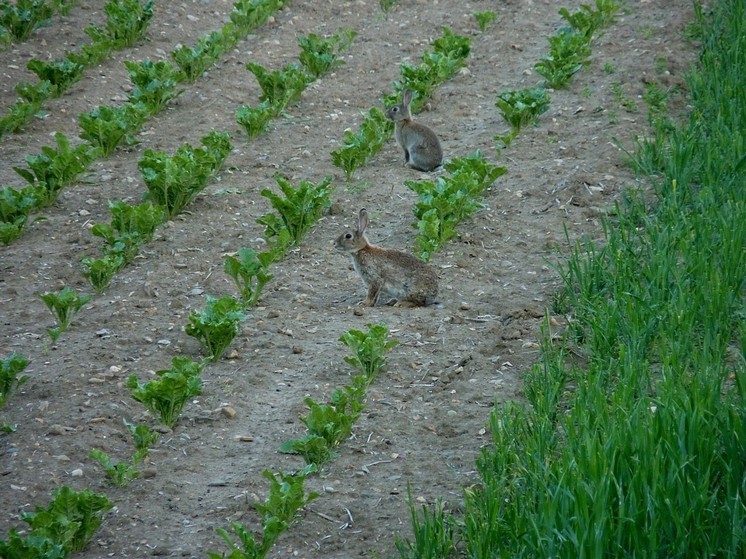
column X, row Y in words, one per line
column 348, row 236
column 395, row 109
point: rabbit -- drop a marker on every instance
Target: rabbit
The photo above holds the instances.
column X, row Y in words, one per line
column 395, row 273
column 421, row 147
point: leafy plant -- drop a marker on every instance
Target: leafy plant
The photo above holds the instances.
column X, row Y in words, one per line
column 155, row 84
column 318, row 55
column 249, row 14
column 568, row 53
column 447, row 201
column 165, row 396
column 64, row 305
column 126, row 23
column 53, row 169
column 60, row 73
column 22, row 17
column 587, row 21
column 216, row 325
column 250, row 273
column 522, row 107
column 484, row 19
column 254, row 120
column 359, row 147
column 436, row 533
column 106, row 127
column 369, row 349
column 15, row 206
column 195, row 61
column 280, row 87
column 65, row 526
column 279, row 510
column 174, row 181
column 19, row 115
column 10, row 368
column 122, row 473
column 387, row 5
column 101, row 270
column 297, row 211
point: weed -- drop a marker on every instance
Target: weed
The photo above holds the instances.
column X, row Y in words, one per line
column 24, row 16
column 435, row 533
column 250, row 273
column 609, row 68
column 297, row 209
column 64, row 305
column 387, row 5
column 216, row 325
column 627, row 103
column 122, row 473
column 522, row 107
column 165, row 396
column 10, row 368
column 484, row 19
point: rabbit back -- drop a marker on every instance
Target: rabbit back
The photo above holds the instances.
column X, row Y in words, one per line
column 422, row 149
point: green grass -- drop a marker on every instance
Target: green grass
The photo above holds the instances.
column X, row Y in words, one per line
column 634, row 442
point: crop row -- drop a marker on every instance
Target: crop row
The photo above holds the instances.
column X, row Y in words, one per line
column 19, row 19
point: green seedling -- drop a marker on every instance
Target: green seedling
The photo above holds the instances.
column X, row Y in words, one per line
column 250, row 272
column 195, row 61
column 106, row 127
column 122, row 473
column 247, row 15
column 522, row 107
column 62, row 74
column 174, row 181
column 101, row 270
column 155, row 83
column 369, row 349
column 15, row 207
column 63, row 7
column 627, row 103
column 436, row 533
column 387, row 5
column 166, row 396
column 65, row 526
column 23, row 16
column 64, row 305
column 216, row 325
column 360, row 147
column 484, row 19
column 19, row 115
column 286, row 497
column 568, row 53
column 443, row 204
column 297, row 210
column 54, row 169
column 587, row 20
column 254, row 120
column 36, row 93
column 126, row 23
column 318, row 55
column 280, row 87
column 10, row 368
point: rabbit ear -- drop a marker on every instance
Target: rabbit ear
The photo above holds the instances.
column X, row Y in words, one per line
column 406, row 97
column 362, row 221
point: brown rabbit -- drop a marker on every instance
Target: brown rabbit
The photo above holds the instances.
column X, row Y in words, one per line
column 395, row 273
column 421, row 147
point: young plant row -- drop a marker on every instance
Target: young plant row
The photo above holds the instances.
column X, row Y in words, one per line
column 280, row 87
column 106, row 127
column 446, row 58
column 126, row 22
column 65, row 526
column 329, row 425
column 568, row 53
column 172, row 181
column 446, row 201
column 19, row 19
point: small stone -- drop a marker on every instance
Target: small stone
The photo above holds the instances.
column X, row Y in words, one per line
column 62, row 457
column 164, row 342
column 228, row 411
column 464, row 306
column 84, row 213
column 358, row 311
column 78, row 472
column 56, row 430
column 273, row 314
column 148, row 473
column 245, row 438
column 297, row 350
column 452, row 413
